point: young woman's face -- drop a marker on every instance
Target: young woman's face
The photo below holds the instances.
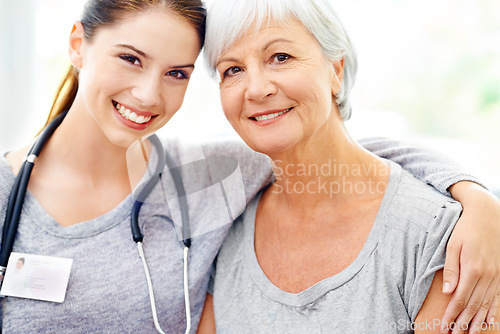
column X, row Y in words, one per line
column 134, row 73
column 277, row 87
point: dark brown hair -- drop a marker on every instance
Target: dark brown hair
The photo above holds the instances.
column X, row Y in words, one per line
column 100, row 13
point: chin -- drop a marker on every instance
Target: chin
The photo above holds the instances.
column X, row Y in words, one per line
column 270, row 148
column 122, row 140
column 276, row 142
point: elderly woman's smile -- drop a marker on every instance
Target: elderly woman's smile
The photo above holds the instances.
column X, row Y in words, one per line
column 320, row 249
column 277, row 87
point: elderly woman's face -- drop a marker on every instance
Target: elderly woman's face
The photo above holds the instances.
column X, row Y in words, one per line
column 277, row 87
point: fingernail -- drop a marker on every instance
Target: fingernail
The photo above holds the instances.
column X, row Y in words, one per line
column 446, row 287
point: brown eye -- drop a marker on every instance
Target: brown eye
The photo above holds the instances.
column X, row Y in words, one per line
column 232, row 71
column 281, row 57
column 131, row 59
column 178, row 74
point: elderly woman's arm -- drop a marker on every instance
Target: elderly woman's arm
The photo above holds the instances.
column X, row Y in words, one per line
column 207, row 321
column 429, row 317
column 473, row 252
column 473, row 256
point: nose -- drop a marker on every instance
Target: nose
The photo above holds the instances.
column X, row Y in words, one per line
column 147, row 90
column 259, row 85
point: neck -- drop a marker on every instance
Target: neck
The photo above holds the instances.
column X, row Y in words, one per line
column 79, row 148
column 330, row 168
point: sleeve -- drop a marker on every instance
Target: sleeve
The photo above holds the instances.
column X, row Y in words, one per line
column 5, row 189
column 431, row 255
column 427, row 165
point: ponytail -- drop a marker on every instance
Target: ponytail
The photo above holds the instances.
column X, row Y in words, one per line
column 65, row 95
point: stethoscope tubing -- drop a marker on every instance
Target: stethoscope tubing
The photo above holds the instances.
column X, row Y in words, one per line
column 137, row 235
column 163, row 158
column 18, row 194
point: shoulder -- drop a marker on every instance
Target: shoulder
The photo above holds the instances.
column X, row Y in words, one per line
column 6, row 174
column 417, row 223
column 235, row 148
column 6, row 182
column 416, row 220
column 254, row 169
column 14, row 159
column 416, row 206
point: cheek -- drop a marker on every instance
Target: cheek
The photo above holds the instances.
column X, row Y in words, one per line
column 172, row 98
column 230, row 103
column 311, row 91
column 97, row 81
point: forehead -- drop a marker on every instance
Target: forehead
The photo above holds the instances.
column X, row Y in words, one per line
column 155, row 27
column 289, row 30
column 289, row 25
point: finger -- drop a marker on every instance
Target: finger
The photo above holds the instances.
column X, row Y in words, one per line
column 451, row 269
column 479, row 319
column 492, row 313
column 475, row 301
column 460, row 299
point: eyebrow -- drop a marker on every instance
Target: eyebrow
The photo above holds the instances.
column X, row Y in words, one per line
column 141, row 53
column 133, row 49
column 184, row 66
column 266, row 46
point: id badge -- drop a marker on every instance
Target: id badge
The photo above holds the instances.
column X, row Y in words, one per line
column 37, row 277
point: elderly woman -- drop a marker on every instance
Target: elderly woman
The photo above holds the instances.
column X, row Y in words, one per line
column 343, row 241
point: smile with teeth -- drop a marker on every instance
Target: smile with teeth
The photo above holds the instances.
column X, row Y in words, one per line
column 269, row 116
column 130, row 115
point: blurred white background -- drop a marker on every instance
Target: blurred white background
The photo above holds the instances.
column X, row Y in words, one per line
column 429, row 73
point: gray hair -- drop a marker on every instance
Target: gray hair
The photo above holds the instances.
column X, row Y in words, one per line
column 229, row 19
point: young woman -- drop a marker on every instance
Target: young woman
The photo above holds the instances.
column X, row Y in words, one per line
column 132, row 60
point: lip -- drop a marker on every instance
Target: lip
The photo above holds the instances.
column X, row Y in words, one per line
column 269, row 112
column 130, row 124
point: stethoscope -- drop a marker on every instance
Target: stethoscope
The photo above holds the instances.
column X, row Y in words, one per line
column 16, row 201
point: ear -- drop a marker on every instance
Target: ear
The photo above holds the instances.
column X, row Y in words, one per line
column 76, row 39
column 337, row 75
